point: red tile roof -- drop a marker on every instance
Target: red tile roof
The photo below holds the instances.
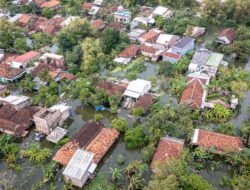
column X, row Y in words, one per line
column 116, row 25
column 229, row 33
column 86, row 6
column 26, row 57
column 16, row 121
column 64, row 154
column 168, row 148
column 148, row 49
column 51, row 4
column 39, row 68
column 151, row 36
column 145, row 101
column 6, row 71
column 221, row 142
column 110, row 88
column 102, row 143
column 24, row 20
column 98, row 24
column 171, row 55
column 130, row 52
column 87, row 133
column 193, row 94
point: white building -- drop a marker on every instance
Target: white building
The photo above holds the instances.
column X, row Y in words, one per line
column 159, row 11
column 137, row 88
column 64, row 109
column 17, row 101
column 122, row 15
column 78, row 169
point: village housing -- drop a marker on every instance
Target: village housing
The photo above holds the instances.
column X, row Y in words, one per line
column 85, row 150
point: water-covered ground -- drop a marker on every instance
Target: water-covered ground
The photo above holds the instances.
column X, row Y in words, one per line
column 31, row 174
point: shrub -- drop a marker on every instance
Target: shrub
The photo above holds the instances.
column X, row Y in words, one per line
column 98, row 117
column 120, row 159
column 120, row 124
column 137, row 111
column 135, row 138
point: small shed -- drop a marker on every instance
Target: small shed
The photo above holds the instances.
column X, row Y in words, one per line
column 76, row 171
column 56, row 135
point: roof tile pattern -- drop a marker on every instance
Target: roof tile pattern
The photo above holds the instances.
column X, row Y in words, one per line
column 102, row 143
column 130, row 52
column 193, row 94
column 167, row 149
column 221, row 142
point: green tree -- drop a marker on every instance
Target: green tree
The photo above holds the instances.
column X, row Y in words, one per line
column 73, row 34
column 135, row 138
column 40, row 40
column 120, row 124
column 27, row 84
column 47, row 12
column 178, row 85
column 226, row 128
column 92, row 57
column 109, row 39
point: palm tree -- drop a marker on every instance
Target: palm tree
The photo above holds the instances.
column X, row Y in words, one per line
column 115, row 174
column 136, row 182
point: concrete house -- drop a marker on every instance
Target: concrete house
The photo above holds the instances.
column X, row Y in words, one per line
column 135, row 34
column 199, row 60
column 23, row 60
column 165, row 41
column 17, row 101
column 126, row 56
column 159, row 11
column 56, row 61
column 78, row 168
column 9, row 73
column 170, row 57
column 122, row 15
column 137, row 88
column 184, row 46
column 46, row 120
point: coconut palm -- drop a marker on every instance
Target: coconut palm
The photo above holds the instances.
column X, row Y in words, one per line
column 49, row 171
column 136, row 182
column 115, row 174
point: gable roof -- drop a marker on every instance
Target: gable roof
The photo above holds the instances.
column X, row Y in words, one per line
column 171, row 55
column 51, row 4
column 117, row 26
column 194, row 92
column 151, row 36
column 129, row 52
column 102, row 143
column 87, row 133
column 229, row 33
column 28, row 56
column 221, row 142
column 148, row 49
column 6, row 71
column 87, row 6
column 145, row 102
column 65, row 153
column 168, row 148
column 183, row 42
column 110, row 88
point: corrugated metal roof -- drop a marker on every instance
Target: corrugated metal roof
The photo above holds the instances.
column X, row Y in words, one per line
column 78, row 164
